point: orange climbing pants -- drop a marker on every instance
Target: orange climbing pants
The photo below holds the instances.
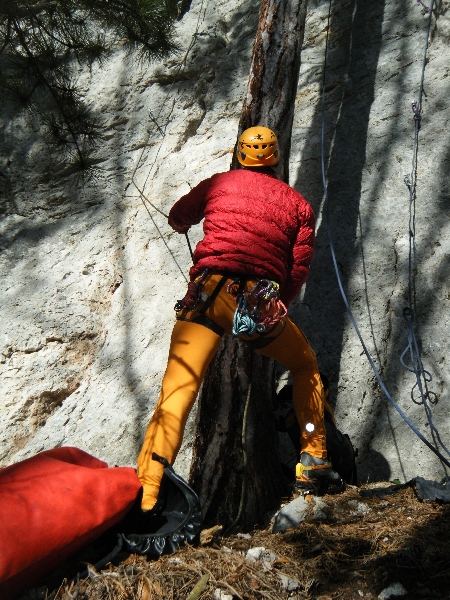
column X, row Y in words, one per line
column 192, row 348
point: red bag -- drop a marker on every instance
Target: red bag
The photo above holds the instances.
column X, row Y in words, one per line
column 53, row 504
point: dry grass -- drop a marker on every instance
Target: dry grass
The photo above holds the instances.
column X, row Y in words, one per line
column 355, row 553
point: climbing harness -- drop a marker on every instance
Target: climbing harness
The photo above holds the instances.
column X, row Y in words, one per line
column 418, row 368
column 192, row 296
column 257, row 310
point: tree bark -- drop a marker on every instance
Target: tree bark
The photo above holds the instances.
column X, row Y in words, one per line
column 235, row 468
column 272, row 84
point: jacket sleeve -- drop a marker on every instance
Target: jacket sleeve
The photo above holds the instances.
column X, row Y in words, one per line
column 189, row 208
column 301, row 255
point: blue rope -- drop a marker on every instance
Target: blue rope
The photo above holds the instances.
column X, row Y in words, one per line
column 333, row 255
column 423, row 377
column 242, row 321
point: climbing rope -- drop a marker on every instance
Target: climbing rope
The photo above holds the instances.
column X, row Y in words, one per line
column 144, row 198
column 421, row 374
column 423, row 377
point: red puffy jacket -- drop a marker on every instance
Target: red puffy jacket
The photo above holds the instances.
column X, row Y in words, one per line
column 254, row 225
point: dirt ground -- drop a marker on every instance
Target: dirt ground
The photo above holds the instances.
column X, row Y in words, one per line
column 360, row 547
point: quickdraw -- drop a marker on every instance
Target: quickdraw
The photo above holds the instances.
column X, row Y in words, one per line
column 258, row 309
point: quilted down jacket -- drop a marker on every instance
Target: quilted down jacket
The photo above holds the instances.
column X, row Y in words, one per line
column 254, row 225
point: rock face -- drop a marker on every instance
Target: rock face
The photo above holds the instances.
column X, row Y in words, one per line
column 373, row 76
column 90, row 274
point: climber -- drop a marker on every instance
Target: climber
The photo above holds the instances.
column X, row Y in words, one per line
column 251, row 263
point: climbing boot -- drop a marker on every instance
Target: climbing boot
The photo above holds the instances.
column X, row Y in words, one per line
column 316, row 475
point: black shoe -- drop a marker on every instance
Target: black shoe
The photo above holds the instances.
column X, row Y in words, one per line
column 316, row 475
column 175, row 519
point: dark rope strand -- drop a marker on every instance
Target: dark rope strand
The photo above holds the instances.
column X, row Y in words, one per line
column 189, row 246
column 154, row 119
column 423, row 377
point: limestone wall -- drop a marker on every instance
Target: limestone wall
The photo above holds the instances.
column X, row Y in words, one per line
column 90, row 274
column 373, row 76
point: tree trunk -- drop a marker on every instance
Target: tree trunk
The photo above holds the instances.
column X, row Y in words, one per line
column 272, row 84
column 235, row 468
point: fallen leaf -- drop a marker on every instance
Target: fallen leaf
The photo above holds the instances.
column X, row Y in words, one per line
column 280, row 561
column 198, row 588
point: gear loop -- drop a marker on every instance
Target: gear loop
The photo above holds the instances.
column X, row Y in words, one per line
column 257, row 309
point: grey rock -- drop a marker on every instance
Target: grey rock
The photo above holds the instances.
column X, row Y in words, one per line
column 359, row 508
column 320, row 509
column 289, row 583
column 298, row 510
column 392, row 591
column 221, row 595
column 260, row 554
column 291, row 515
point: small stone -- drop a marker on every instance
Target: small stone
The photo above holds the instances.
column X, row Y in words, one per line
column 254, row 554
column 221, row 595
column 268, row 557
column 319, row 510
column 262, row 555
column 288, row 583
column 395, row 589
column 244, row 536
column 360, row 508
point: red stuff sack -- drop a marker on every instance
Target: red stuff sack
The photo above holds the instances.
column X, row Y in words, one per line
column 53, row 504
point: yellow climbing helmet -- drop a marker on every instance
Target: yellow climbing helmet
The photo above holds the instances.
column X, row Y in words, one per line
column 258, row 147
